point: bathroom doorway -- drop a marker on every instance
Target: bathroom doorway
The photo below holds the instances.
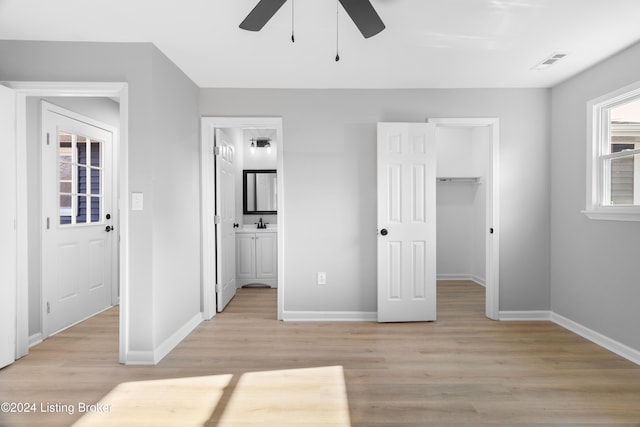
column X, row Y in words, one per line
column 257, row 144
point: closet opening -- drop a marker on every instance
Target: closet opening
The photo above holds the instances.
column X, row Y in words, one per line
column 466, row 206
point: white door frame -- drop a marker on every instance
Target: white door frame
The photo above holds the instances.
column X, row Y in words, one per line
column 208, row 126
column 121, row 170
column 492, row 264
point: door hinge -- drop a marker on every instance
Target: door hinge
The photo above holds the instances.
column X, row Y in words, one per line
column 491, row 230
column 216, row 150
column 48, row 308
column 48, row 223
column 48, row 138
column 217, row 219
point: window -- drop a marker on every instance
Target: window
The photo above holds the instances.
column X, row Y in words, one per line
column 613, row 164
column 79, row 179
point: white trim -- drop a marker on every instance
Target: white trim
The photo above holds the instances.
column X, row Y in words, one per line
column 208, row 125
column 492, row 279
column 121, row 164
column 618, row 348
column 330, row 316
column 471, row 277
column 136, row 358
column 35, row 339
column 597, row 109
column 170, row 343
column 525, row 315
column 613, row 214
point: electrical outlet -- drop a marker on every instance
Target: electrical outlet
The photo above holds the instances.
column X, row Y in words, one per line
column 322, row 278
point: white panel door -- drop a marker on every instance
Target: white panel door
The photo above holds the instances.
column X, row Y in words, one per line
column 78, row 235
column 7, row 226
column 406, row 222
column 225, row 210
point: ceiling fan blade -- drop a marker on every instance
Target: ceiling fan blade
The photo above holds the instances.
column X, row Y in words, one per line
column 261, row 14
column 364, row 16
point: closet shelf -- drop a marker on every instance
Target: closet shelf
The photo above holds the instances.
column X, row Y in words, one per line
column 471, row 179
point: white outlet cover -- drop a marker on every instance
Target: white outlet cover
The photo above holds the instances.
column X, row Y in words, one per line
column 322, row 278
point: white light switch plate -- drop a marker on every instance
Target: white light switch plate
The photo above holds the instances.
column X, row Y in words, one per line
column 137, row 201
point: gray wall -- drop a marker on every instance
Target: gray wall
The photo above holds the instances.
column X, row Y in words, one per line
column 102, row 109
column 595, row 270
column 330, row 174
column 163, row 155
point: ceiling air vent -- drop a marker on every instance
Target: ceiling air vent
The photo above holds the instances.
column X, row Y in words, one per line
column 550, row 60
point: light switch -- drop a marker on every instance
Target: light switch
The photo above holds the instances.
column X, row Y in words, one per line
column 137, row 201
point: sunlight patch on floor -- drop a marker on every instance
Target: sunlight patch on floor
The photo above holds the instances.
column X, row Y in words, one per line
column 310, row 396
column 170, row 402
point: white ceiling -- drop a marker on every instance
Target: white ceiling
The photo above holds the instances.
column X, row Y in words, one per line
column 427, row 43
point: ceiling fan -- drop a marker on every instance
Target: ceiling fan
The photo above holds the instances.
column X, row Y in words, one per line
column 361, row 12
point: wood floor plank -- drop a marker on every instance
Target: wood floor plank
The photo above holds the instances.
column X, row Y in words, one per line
column 245, row 368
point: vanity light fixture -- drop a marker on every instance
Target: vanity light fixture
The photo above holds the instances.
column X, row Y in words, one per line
column 260, row 143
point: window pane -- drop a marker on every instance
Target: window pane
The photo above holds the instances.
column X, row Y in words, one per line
column 64, row 147
column 65, row 209
column 81, row 146
column 65, row 187
column 95, row 209
column 96, row 153
column 625, row 127
column 81, row 218
column 621, row 180
column 82, row 179
column 65, row 171
column 96, row 175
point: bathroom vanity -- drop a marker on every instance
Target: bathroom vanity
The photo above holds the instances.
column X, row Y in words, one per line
column 256, row 256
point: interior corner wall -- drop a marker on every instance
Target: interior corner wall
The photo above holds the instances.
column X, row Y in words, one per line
column 162, row 122
column 175, row 198
column 330, row 193
column 594, row 269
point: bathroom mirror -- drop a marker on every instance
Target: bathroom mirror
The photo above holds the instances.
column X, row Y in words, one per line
column 259, row 188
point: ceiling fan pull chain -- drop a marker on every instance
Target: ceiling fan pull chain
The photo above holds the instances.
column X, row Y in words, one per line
column 337, row 30
column 293, row 38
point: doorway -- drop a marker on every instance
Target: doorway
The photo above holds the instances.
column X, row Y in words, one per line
column 26, row 91
column 78, row 242
column 468, row 204
column 212, row 251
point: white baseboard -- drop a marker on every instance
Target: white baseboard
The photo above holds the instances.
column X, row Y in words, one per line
column 525, row 315
column 35, row 339
column 472, row 277
column 155, row 356
column 618, row 348
column 329, row 316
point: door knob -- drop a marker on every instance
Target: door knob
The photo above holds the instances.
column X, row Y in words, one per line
column 384, row 232
column 109, row 228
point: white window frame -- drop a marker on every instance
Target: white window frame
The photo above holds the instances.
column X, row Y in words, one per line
column 597, row 141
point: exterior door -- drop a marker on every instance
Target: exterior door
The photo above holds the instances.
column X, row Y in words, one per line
column 7, row 226
column 226, row 214
column 78, row 237
column 406, row 222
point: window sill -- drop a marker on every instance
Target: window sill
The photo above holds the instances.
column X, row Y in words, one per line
column 614, row 214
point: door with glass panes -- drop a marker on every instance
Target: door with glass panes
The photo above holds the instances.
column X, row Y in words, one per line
column 79, row 234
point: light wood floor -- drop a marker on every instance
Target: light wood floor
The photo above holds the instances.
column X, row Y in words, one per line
column 246, row 368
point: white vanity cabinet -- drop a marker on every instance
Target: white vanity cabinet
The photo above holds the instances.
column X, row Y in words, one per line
column 256, row 257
